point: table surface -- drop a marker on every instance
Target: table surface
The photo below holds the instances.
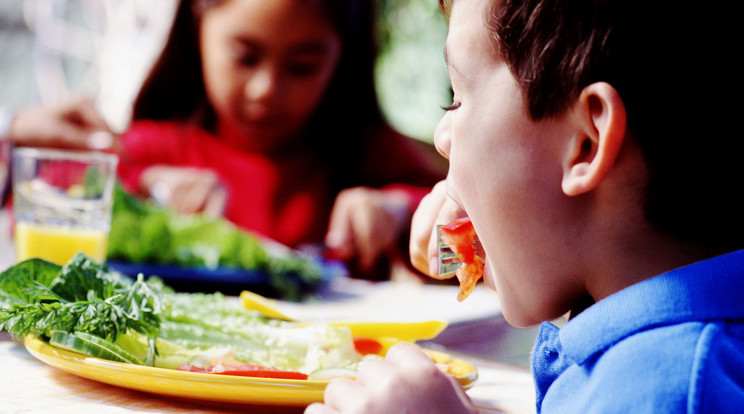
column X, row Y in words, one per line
column 476, row 332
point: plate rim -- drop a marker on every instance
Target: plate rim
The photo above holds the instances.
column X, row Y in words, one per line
column 194, row 385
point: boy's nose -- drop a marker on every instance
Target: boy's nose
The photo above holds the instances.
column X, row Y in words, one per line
column 442, row 137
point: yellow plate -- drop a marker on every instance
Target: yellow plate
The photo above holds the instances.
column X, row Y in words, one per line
column 211, row 387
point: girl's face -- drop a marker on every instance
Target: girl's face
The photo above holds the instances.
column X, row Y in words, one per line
column 505, row 171
column 267, row 65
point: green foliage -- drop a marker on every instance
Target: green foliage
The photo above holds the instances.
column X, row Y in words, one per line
column 94, row 182
column 85, row 307
column 16, row 280
column 37, row 297
column 143, row 232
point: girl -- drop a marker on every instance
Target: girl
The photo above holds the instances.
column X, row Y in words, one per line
column 265, row 111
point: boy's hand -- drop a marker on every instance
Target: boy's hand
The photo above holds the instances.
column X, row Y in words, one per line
column 365, row 223
column 407, row 381
column 435, row 208
column 185, row 190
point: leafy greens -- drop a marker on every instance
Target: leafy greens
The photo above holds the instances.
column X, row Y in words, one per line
column 37, row 297
column 144, row 232
column 156, row 325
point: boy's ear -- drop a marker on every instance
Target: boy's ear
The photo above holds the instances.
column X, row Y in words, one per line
column 591, row 153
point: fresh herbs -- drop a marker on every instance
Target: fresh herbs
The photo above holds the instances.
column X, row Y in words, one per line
column 37, row 297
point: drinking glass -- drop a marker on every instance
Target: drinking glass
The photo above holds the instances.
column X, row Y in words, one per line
column 5, row 146
column 62, row 203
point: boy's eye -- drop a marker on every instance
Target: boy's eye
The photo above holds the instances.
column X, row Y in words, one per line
column 452, row 107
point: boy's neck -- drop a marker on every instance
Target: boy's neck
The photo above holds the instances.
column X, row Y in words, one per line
column 650, row 255
column 620, row 247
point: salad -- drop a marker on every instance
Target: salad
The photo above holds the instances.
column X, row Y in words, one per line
column 86, row 307
column 147, row 233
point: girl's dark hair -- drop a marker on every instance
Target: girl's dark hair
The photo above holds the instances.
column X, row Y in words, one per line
column 678, row 66
column 347, row 118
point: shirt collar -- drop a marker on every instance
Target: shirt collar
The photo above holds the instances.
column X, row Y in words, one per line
column 677, row 296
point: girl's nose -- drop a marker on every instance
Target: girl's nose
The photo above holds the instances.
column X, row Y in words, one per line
column 443, row 137
column 261, row 84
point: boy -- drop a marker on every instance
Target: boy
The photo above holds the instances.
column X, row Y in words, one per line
column 595, row 146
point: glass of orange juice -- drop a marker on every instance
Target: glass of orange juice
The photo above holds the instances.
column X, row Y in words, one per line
column 62, row 203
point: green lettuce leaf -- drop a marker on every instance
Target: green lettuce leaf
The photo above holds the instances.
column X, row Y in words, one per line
column 143, row 232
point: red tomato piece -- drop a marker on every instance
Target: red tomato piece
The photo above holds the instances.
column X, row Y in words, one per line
column 247, row 370
column 460, row 236
column 367, row 346
column 191, row 368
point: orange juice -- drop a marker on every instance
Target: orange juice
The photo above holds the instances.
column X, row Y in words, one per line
column 58, row 244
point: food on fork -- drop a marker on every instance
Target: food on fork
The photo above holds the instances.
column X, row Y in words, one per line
column 460, row 236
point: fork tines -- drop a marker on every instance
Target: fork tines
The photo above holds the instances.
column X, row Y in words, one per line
column 447, row 259
column 448, row 263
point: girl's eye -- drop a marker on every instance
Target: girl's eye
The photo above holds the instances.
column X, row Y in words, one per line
column 302, row 69
column 248, row 59
column 452, row 107
column 245, row 55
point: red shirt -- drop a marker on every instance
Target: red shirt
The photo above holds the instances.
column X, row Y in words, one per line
column 289, row 201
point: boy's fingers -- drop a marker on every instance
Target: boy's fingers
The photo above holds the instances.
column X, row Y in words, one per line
column 405, row 354
column 421, row 231
column 318, row 408
column 341, row 394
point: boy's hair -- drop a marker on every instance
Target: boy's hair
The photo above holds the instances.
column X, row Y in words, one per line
column 678, row 66
column 174, row 89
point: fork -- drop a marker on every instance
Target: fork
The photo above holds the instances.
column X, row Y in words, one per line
column 447, row 260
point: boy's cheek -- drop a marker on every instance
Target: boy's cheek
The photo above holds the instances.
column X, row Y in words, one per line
column 488, row 276
column 452, row 190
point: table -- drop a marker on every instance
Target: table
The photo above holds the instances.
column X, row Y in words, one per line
column 477, row 332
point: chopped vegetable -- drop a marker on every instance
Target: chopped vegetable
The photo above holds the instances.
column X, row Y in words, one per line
column 246, row 370
column 460, row 236
column 92, row 345
column 367, row 346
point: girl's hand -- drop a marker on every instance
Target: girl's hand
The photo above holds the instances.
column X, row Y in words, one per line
column 186, row 190
column 366, row 223
column 72, row 124
column 407, row 381
column 435, row 208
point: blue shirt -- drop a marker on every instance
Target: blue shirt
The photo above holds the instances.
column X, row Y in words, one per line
column 670, row 344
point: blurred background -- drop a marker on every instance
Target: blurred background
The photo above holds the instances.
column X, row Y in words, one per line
column 103, row 48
